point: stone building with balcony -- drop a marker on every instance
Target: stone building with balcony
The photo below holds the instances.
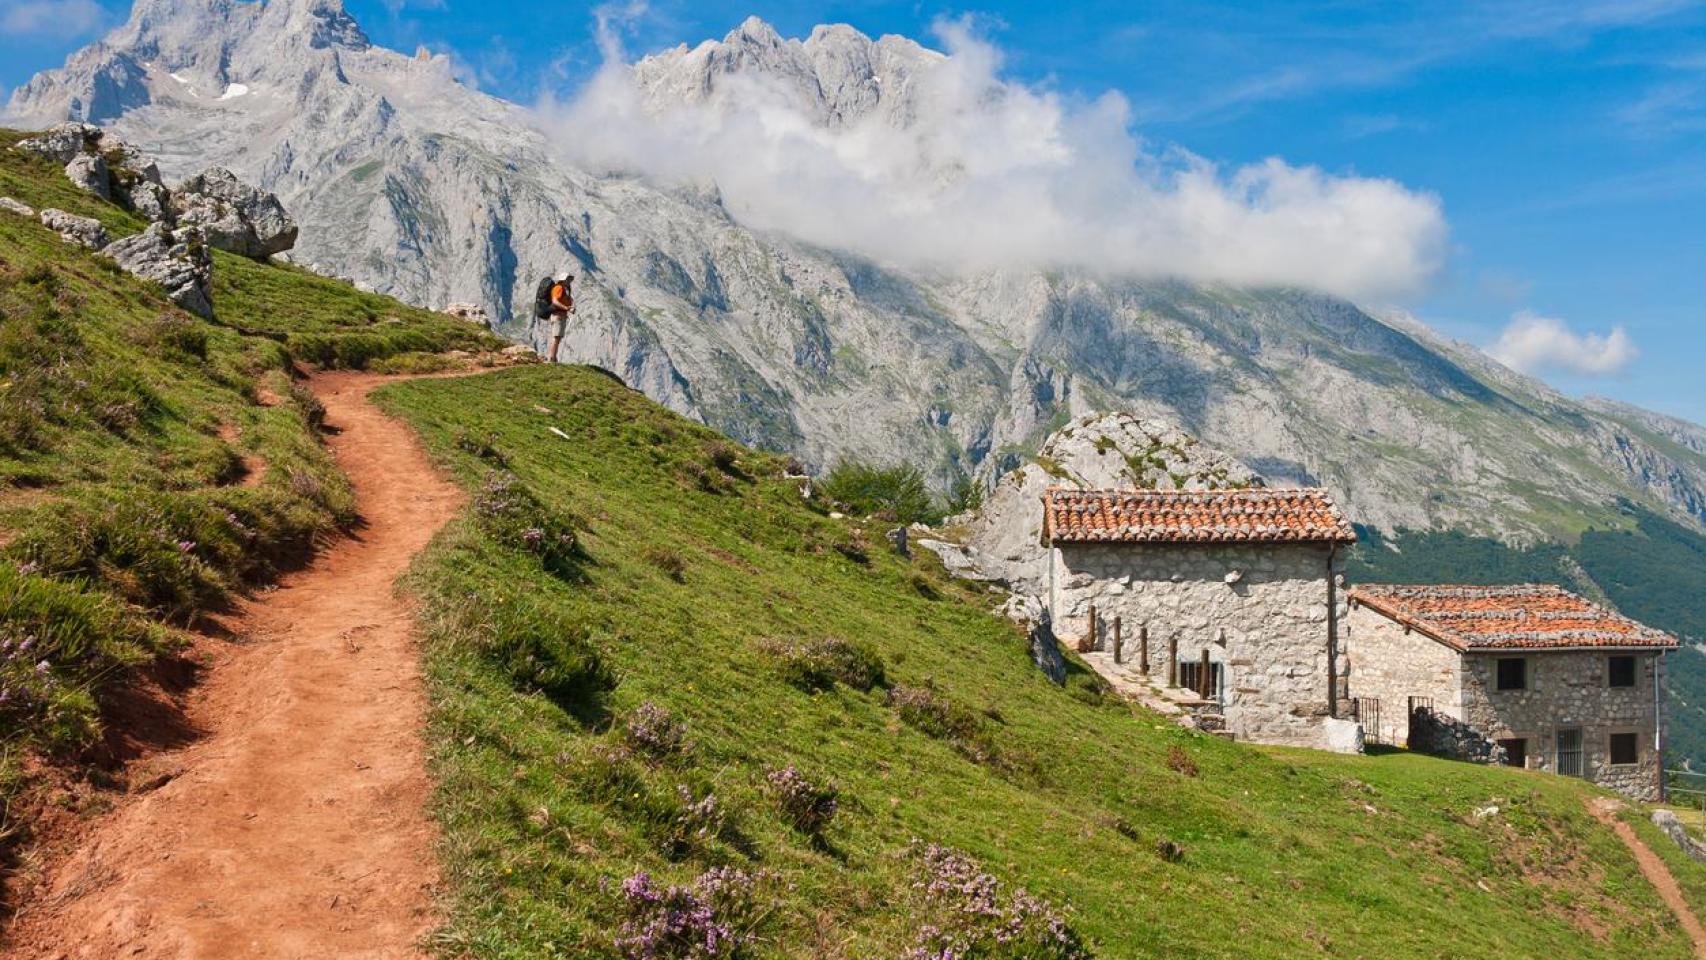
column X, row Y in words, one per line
column 1531, row 676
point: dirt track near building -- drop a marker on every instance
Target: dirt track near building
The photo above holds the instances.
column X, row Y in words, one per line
column 296, row 823
column 1654, row 870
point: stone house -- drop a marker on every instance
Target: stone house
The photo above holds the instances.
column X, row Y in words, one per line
column 1531, row 676
column 1244, row 580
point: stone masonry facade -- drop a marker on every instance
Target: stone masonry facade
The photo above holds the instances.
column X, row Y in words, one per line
column 1393, row 664
column 1570, row 691
column 1261, row 610
column 1566, row 691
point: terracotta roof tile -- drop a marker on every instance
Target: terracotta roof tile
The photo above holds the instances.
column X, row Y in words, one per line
column 1192, row 516
column 1524, row 617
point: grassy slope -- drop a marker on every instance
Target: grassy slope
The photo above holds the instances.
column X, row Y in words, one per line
column 689, row 574
column 127, row 430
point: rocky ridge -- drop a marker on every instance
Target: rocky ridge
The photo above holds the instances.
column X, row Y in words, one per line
column 414, row 185
column 210, row 210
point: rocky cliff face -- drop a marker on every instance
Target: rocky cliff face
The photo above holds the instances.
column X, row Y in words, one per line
column 412, row 184
column 1113, row 451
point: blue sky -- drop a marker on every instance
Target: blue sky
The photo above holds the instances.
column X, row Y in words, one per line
column 1565, row 141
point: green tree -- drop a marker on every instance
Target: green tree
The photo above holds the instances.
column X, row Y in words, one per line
column 895, row 493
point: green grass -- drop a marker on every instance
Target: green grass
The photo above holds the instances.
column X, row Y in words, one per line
column 1155, row 841
column 151, row 463
column 1690, row 874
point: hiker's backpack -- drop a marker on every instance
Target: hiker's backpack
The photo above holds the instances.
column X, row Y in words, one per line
column 542, row 298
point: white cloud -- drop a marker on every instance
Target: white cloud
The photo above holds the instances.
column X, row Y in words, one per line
column 996, row 173
column 58, row 19
column 1532, row 343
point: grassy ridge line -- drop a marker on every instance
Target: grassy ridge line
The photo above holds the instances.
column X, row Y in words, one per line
column 697, row 578
column 151, row 464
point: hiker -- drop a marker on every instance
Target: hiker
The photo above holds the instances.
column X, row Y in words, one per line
column 554, row 301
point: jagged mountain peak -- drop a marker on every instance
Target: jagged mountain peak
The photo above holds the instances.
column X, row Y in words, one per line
column 838, row 75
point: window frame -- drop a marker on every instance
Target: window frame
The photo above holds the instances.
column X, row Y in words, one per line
column 1611, row 751
column 1499, row 675
column 1611, row 671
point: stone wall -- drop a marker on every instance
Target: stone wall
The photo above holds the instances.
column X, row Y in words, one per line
column 1570, row 691
column 1259, row 609
column 1392, row 664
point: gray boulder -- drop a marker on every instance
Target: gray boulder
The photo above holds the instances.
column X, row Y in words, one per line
column 234, row 216
column 89, row 172
column 1674, row 828
column 177, row 260
column 83, row 231
column 64, row 142
column 471, row 312
column 13, row 206
column 1032, row 616
column 149, row 199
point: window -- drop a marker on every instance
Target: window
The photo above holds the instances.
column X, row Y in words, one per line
column 1622, row 672
column 1516, row 752
column 1513, row 674
column 1625, row 748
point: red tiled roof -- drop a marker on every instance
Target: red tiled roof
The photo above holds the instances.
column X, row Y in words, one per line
column 1525, row 617
column 1193, row 516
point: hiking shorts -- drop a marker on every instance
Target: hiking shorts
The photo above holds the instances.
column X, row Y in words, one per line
column 559, row 323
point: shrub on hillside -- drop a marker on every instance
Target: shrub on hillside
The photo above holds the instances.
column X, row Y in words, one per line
column 714, row 916
column 668, row 560
column 541, row 650
column 175, row 335
column 510, row 514
column 813, row 665
column 807, row 805
column 681, row 819
column 654, row 730
column 972, row 914
column 59, row 642
column 897, row 494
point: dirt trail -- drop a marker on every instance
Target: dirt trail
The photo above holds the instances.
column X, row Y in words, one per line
column 1653, row 868
column 297, row 824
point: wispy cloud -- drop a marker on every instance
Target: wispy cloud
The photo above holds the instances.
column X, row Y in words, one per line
column 990, row 172
column 1361, row 126
column 51, row 19
column 1376, row 46
column 1532, row 343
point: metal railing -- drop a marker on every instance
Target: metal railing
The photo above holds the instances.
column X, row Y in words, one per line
column 1692, row 796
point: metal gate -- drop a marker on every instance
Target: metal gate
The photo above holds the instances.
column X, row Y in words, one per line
column 1368, row 714
column 1570, row 753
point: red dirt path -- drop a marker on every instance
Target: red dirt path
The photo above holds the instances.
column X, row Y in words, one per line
column 297, row 826
column 1654, row 869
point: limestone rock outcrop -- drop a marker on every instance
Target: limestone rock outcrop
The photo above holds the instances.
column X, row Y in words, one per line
column 89, row 173
column 1113, row 451
column 233, row 215
column 13, row 206
column 83, row 231
column 471, row 312
column 64, row 142
column 177, row 260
